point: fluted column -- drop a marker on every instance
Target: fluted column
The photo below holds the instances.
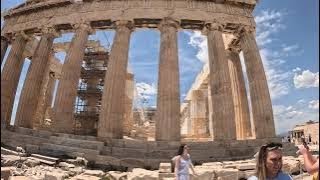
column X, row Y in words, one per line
column 4, row 46
column 113, row 98
column 239, row 94
column 68, row 85
column 45, row 98
column 220, row 85
column 128, row 119
column 198, row 114
column 263, row 121
column 32, row 86
column 10, row 77
column 168, row 100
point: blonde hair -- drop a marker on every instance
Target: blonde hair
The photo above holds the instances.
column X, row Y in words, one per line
column 261, row 168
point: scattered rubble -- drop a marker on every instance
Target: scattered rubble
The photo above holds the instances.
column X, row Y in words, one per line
column 18, row 168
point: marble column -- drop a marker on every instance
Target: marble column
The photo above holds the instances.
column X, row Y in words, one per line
column 198, row 114
column 10, row 77
column 220, row 84
column 32, row 85
column 4, row 47
column 113, row 99
column 210, row 112
column 239, row 94
column 168, row 99
column 263, row 121
column 68, row 84
column 128, row 116
column 45, row 99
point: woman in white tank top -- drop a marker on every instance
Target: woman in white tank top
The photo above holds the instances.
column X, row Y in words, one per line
column 182, row 163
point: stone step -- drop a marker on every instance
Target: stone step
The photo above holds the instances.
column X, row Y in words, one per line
column 45, row 158
column 34, row 133
column 23, row 137
column 86, row 144
column 79, row 137
column 60, row 150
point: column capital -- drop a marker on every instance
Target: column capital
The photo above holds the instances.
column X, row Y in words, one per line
column 246, row 29
column 214, row 25
column 124, row 23
column 167, row 21
column 84, row 26
column 50, row 31
column 235, row 49
column 21, row 33
column 6, row 37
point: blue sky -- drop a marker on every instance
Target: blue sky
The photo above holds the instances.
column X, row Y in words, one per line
column 288, row 39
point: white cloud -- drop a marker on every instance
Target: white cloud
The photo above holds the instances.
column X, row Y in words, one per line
column 314, row 104
column 306, row 79
column 145, row 90
column 287, row 117
column 290, row 48
column 297, row 69
column 269, row 23
column 199, row 41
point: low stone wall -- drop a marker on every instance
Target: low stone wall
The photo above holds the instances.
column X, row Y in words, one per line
column 127, row 152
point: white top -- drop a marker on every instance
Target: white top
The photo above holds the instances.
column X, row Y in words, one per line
column 184, row 166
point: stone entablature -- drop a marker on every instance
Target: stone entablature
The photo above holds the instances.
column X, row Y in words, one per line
column 61, row 14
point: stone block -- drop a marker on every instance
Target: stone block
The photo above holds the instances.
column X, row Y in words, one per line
column 163, row 176
column 165, row 168
column 108, row 160
column 116, row 175
column 6, row 172
column 31, row 162
column 65, row 166
column 246, row 166
column 54, row 176
column 132, row 163
column 227, row 174
column 85, row 177
column 97, row 173
column 135, row 144
column 142, row 174
column 32, row 148
column 128, row 152
column 19, row 178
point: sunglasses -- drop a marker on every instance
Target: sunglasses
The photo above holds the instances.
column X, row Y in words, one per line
column 272, row 146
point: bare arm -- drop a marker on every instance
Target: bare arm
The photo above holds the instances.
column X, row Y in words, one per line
column 310, row 166
column 310, row 163
column 192, row 168
column 176, row 168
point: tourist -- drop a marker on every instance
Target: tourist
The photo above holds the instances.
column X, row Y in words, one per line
column 310, row 140
column 269, row 163
column 311, row 163
column 289, row 139
column 182, row 163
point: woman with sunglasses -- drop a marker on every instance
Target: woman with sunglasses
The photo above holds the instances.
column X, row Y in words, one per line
column 269, row 163
column 182, row 163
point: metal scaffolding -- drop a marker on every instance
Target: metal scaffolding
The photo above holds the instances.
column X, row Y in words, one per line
column 88, row 102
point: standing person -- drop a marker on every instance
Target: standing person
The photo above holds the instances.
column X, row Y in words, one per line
column 310, row 162
column 182, row 163
column 310, row 140
column 269, row 163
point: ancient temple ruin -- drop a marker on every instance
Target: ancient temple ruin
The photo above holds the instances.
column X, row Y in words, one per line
column 93, row 117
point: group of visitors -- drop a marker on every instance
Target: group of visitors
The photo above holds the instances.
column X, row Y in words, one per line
column 268, row 163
